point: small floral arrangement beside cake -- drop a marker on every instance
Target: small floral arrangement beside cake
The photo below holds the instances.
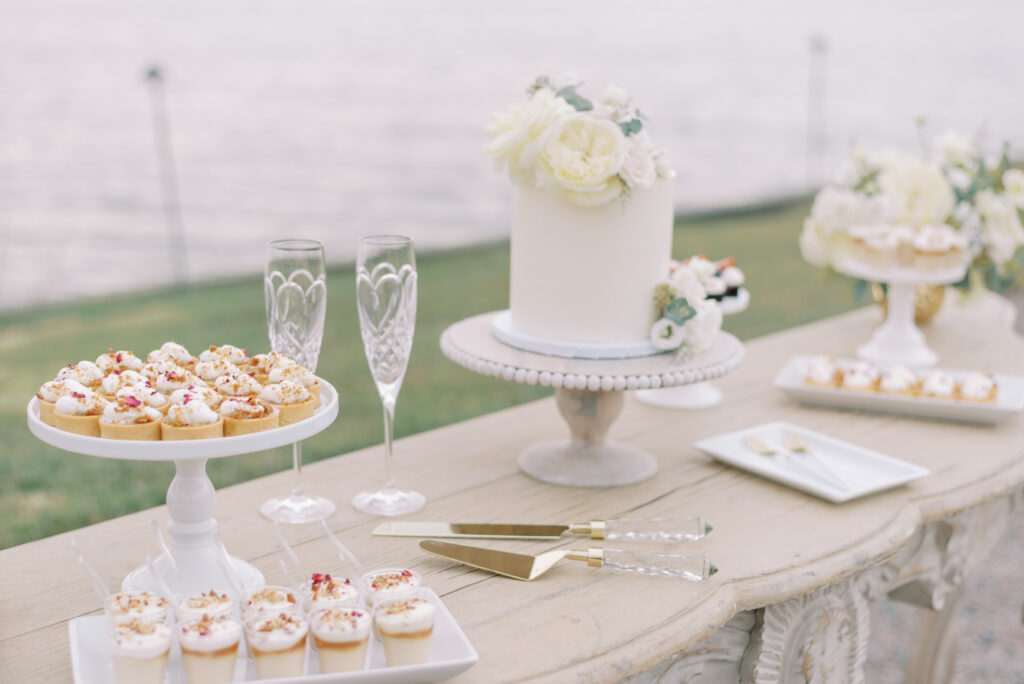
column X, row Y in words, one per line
column 174, row 395
column 899, row 380
column 950, row 208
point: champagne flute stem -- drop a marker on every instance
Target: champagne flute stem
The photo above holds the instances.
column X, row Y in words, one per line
column 297, row 460
column 389, row 426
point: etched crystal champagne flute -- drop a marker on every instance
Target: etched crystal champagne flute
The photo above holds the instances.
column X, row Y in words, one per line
column 296, row 299
column 386, row 298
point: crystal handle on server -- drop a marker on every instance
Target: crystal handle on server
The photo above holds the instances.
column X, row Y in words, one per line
column 676, row 565
column 688, row 528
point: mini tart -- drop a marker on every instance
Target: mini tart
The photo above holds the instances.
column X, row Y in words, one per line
column 80, row 425
column 293, row 413
column 991, row 397
column 46, row 412
column 207, row 431
column 837, row 377
column 148, row 431
column 246, row 426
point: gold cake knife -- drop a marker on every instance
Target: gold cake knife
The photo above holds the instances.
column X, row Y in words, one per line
column 652, row 529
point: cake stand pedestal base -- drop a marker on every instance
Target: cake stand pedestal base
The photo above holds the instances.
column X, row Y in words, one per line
column 586, row 459
column 898, row 340
column 698, row 396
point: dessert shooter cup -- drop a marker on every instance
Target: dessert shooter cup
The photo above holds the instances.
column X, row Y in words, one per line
column 324, row 591
column 341, row 635
column 406, row 627
column 140, row 605
column 390, row 583
column 195, row 605
column 278, row 643
column 209, row 648
column 269, row 599
column 140, row 649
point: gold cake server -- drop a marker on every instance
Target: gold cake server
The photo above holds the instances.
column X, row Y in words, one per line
column 653, row 529
column 526, row 567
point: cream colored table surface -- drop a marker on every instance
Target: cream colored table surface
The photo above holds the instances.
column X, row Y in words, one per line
column 770, row 543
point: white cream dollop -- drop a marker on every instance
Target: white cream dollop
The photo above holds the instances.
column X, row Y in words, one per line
column 191, row 413
column 118, row 361
column 86, row 403
column 861, row 375
column 285, row 392
column 277, row 632
column 898, row 379
column 213, row 369
column 293, row 372
column 821, row 370
column 340, row 625
column 170, row 351
column 55, row 389
column 209, row 633
column 237, row 385
column 403, row 616
column 977, row 386
column 225, row 351
column 120, row 379
column 207, row 395
column 147, row 395
column 85, row 372
column 939, row 384
column 120, row 413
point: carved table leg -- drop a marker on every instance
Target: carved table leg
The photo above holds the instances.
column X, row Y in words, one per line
column 933, row 645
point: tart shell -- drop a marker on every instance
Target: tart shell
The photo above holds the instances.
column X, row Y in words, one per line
column 137, row 431
column 246, row 426
column 192, row 431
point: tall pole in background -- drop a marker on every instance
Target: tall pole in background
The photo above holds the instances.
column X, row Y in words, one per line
column 817, row 140
column 168, row 173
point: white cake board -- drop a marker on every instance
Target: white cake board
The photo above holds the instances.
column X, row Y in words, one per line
column 898, row 339
column 506, row 332
column 699, row 395
column 191, row 497
column 589, row 395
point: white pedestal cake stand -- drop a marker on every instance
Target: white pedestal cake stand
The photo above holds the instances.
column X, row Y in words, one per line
column 898, row 340
column 190, row 497
column 589, row 395
column 700, row 394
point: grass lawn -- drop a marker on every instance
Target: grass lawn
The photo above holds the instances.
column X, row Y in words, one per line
column 44, row 490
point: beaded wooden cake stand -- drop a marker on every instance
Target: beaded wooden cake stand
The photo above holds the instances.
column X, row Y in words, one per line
column 589, row 395
column 699, row 394
column 191, row 497
column 898, row 339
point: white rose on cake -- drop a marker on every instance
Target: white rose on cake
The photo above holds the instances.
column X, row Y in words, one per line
column 520, row 133
column 1001, row 229
column 584, row 161
column 638, row 168
column 918, row 192
column 701, row 330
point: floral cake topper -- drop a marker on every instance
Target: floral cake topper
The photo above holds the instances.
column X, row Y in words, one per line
column 686, row 319
column 590, row 152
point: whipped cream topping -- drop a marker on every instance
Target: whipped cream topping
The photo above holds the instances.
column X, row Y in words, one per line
column 324, row 589
column 277, row 632
column 152, row 371
column 226, row 352
column 85, row 372
column 264, row 363
column 55, row 389
column 118, row 361
column 244, row 408
column 269, row 600
column 129, row 411
column 120, row 379
column 285, row 392
column 293, row 372
column 860, row 375
column 147, row 395
column 821, row 369
column 207, row 395
column 141, row 639
column 937, row 238
column 391, row 583
column 171, row 380
column 238, row 385
column 211, row 370
column 977, row 386
column 137, row 604
column 404, row 615
column 170, row 351
column 209, row 633
column 191, row 413
column 210, row 603
column 732, row 276
column 340, row 625
column 882, row 241
column 898, row 379
column 939, row 384
column 87, row 403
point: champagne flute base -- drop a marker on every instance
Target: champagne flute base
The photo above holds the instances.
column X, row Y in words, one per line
column 298, row 509
column 389, row 502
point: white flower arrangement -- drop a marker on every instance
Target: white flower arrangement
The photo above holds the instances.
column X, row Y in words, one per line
column 591, row 153
column 955, row 185
column 686, row 318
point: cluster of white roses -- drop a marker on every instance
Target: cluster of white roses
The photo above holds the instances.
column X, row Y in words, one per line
column 593, row 152
column 685, row 315
column 957, row 186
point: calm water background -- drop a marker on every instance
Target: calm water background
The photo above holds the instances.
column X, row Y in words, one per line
column 326, row 119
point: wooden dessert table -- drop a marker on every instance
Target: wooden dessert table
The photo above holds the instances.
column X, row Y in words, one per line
column 796, row 575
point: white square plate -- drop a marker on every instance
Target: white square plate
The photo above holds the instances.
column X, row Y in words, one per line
column 1009, row 400
column 450, row 654
column 863, row 470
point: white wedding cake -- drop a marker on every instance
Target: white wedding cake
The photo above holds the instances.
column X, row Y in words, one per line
column 591, row 237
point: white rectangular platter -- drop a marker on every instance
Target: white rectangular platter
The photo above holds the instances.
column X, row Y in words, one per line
column 450, row 654
column 1009, row 401
column 864, row 471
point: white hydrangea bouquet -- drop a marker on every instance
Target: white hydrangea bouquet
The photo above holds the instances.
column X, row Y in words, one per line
column 591, row 152
column 686, row 319
column 955, row 184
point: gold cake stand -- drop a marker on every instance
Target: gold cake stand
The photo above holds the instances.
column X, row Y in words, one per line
column 589, row 394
